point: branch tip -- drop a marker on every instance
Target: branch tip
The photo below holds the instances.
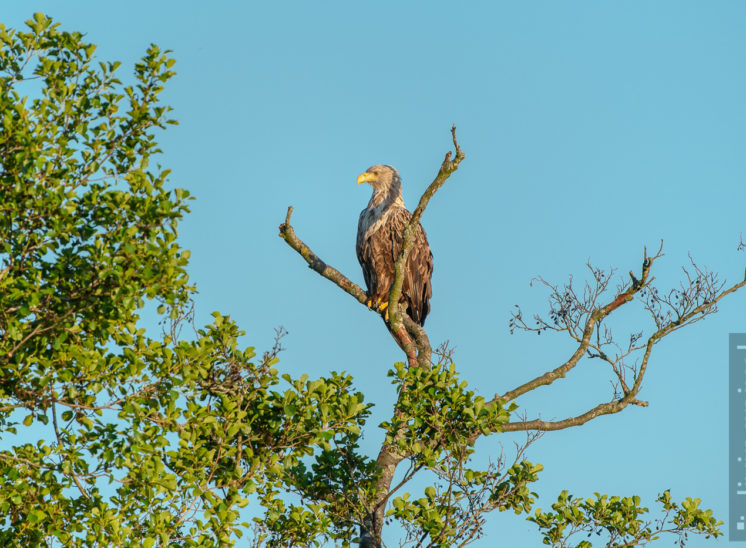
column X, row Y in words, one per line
column 459, row 154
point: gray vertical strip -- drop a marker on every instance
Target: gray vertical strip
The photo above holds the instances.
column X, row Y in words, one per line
column 737, row 449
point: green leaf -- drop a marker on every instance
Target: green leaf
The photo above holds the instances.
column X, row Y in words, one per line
column 35, row 516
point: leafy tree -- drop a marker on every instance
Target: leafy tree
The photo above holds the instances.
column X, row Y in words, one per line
column 140, row 440
column 113, row 436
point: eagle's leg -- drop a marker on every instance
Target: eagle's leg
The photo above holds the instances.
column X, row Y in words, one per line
column 384, row 307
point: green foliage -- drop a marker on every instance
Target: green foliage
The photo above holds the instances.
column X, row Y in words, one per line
column 452, row 511
column 133, row 439
column 334, row 491
column 436, row 414
column 436, row 422
column 619, row 520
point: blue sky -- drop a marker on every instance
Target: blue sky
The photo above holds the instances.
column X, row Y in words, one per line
column 591, row 129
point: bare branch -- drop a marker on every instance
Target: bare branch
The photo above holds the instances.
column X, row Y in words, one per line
column 410, row 329
column 697, row 297
column 696, row 293
column 571, row 313
column 61, row 445
column 315, row 263
column 446, row 169
column 417, row 332
column 597, row 411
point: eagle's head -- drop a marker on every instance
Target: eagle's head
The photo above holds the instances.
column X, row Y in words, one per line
column 385, row 181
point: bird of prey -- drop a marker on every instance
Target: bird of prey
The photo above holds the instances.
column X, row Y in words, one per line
column 379, row 241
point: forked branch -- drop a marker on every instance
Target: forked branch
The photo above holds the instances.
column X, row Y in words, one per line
column 414, row 336
column 409, row 335
column 696, row 298
column 571, row 313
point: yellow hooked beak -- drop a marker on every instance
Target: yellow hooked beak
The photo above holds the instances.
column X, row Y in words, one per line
column 366, row 177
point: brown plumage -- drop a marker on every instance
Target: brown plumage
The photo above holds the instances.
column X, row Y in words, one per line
column 379, row 237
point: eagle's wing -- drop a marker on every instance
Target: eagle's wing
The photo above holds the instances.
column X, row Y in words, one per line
column 367, row 252
column 416, row 287
column 378, row 252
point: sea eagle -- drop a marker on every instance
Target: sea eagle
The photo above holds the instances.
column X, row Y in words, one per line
column 379, row 239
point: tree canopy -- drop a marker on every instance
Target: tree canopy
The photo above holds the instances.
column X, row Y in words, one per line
column 138, row 439
column 115, row 434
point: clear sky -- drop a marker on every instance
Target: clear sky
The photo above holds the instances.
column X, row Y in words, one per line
column 591, row 129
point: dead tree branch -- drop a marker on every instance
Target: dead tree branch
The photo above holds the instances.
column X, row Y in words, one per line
column 570, row 313
column 446, row 169
column 696, row 298
column 315, row 263
column 410, row 336
column 410, row 339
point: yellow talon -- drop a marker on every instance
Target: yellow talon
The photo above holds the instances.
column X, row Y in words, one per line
column 379, row 305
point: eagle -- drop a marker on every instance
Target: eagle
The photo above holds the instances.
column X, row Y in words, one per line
column 379, row 240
